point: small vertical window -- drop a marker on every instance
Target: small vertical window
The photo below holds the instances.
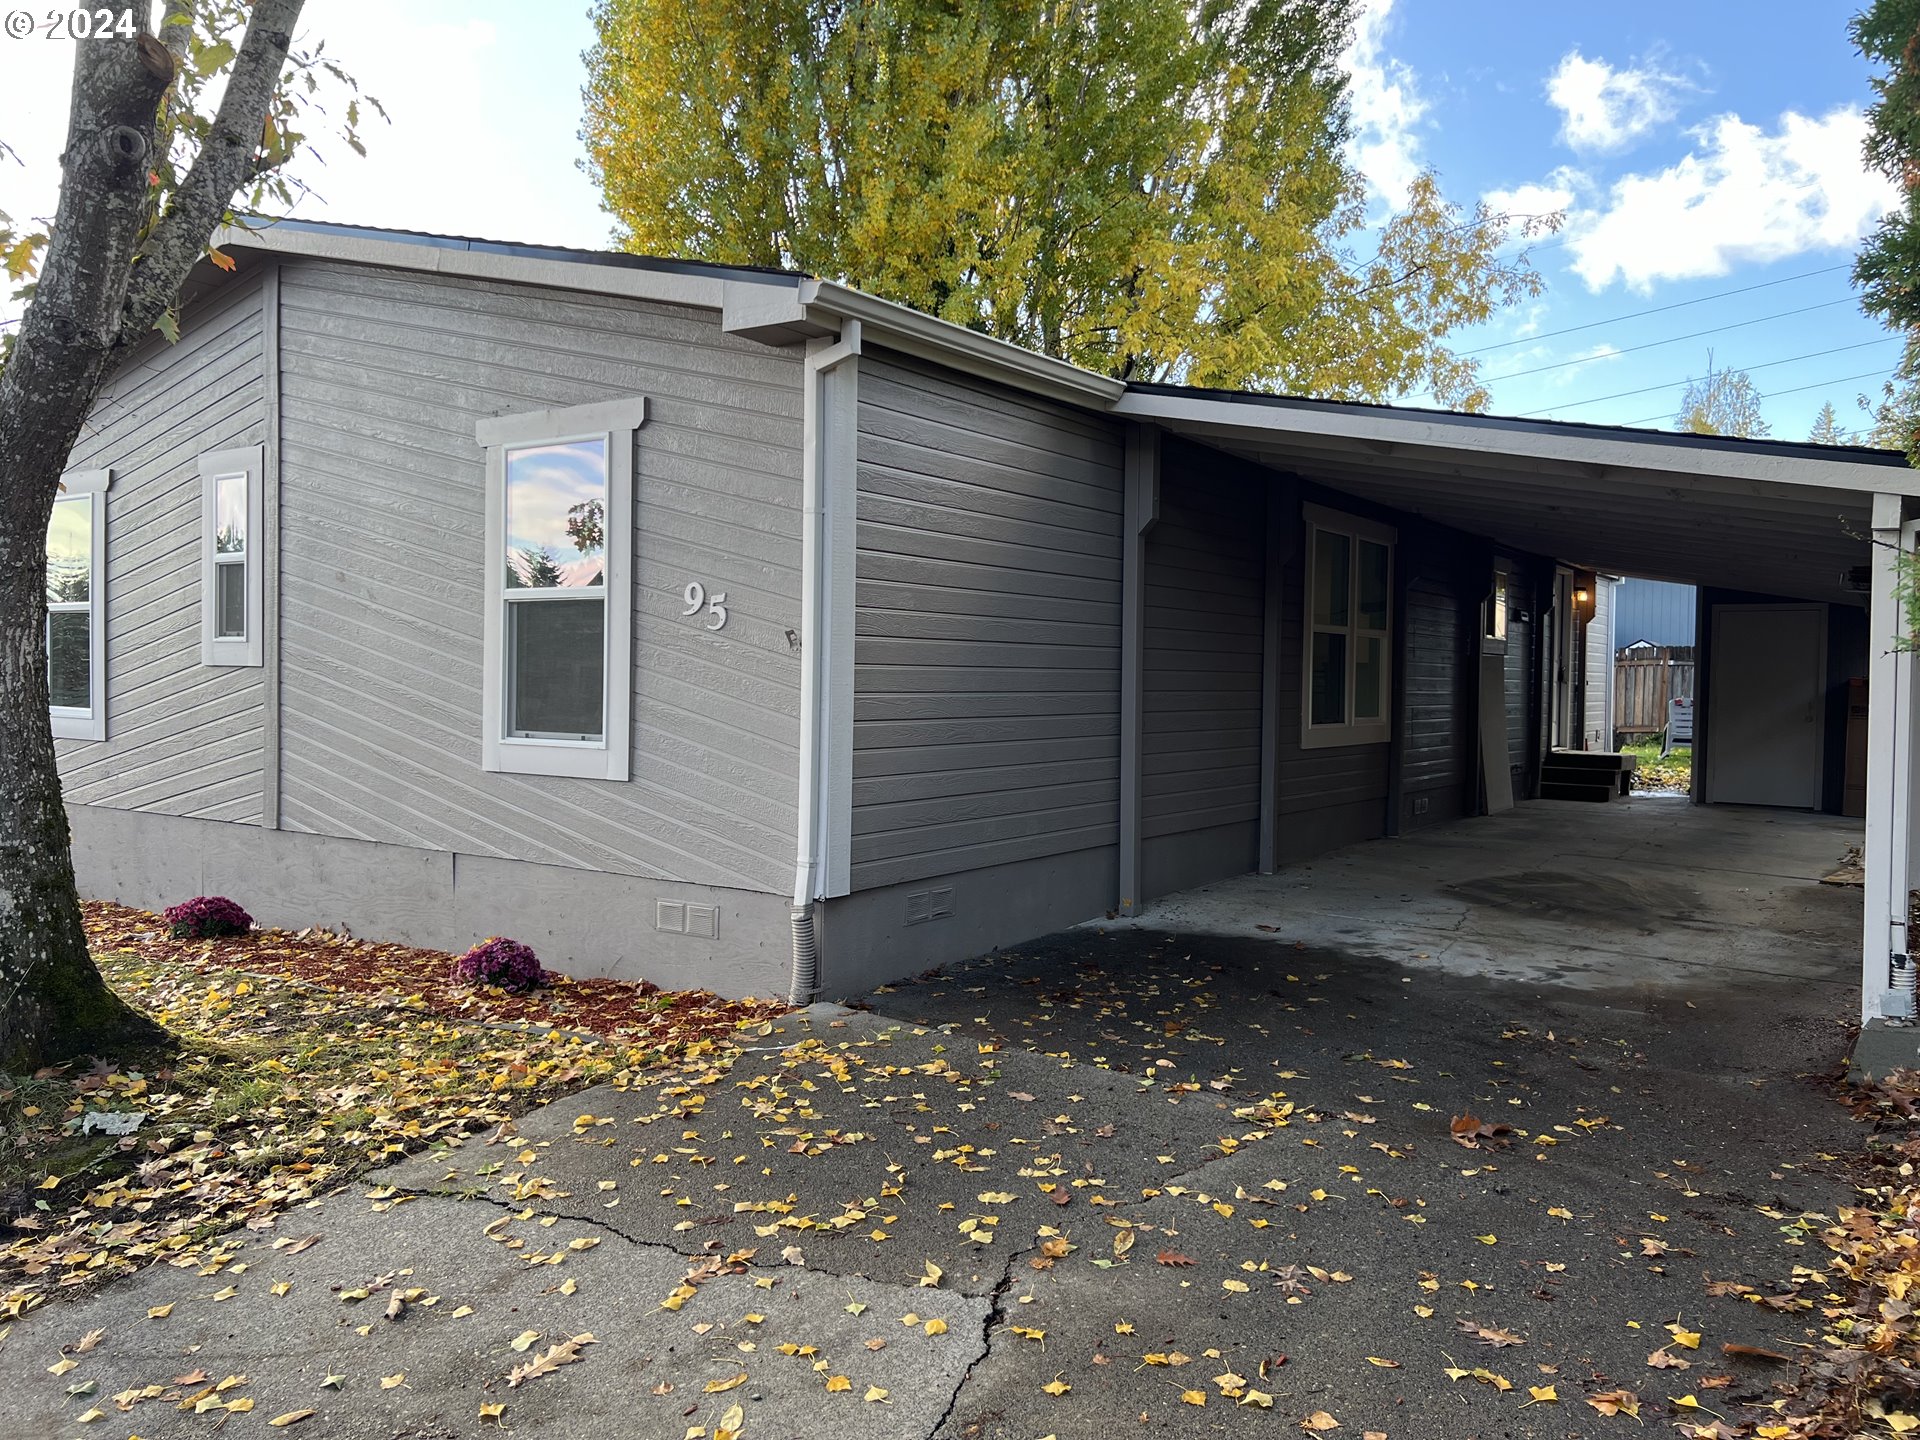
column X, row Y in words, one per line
column 77, row 606
column 555, row 583
column 560, row 611
column 233, row 587
column 1349, row 618
column 1497, row 611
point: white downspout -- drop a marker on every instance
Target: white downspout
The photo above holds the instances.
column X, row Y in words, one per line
column 816, row 441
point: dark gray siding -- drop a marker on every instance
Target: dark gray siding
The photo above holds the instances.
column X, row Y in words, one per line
column 1523, row 707
column 1327, row 798
column 182, row 738
column 1203, row 622
column 1437, row 700
column 987, row 659
column 384, row 375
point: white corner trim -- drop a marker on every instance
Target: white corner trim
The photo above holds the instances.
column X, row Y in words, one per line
column 829, row 488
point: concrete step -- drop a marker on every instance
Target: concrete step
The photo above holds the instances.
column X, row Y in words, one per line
column 1604, row 761
column 1594, row 791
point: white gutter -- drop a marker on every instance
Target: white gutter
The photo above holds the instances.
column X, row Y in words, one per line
column 818, row 449
column 958, row 347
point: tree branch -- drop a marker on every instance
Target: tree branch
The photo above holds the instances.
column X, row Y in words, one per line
column 74, row 315
column 219, row 170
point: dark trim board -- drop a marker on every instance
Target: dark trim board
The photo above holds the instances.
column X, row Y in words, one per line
column 581, row 922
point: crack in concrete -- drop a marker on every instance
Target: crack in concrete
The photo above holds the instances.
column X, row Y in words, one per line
column 993, row 1320
column 516, row 1206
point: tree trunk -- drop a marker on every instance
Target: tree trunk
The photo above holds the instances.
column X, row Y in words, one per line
column 53, row 1003
column 112, row 270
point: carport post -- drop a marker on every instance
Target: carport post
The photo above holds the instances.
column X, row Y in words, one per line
column 1890, row 774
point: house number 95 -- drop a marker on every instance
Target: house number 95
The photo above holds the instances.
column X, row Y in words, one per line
column 715, row 604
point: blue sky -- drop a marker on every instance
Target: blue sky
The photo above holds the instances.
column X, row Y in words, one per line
column 1700, row 148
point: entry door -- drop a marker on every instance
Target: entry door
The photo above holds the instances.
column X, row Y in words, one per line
column 1766, row 705
column 1564, row 734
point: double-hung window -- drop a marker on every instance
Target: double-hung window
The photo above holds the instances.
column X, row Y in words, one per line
column 77, row 606
column 232, row 555
column 559, row 621
column 1348, row 631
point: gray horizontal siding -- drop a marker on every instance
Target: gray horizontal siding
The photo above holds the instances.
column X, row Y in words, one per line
column 383, row 377
column 1520, row 706
column 1437, row 700
column 182, row 738
column 987, row 622
column 1203, row 626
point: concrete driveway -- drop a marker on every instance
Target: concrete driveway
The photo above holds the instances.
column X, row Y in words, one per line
column 1649, row 891
column 1127, row 1180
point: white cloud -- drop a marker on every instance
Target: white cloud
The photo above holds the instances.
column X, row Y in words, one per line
column 1387, row 109
column 1557, row 193
column 1740, row 195
column 1604, row 109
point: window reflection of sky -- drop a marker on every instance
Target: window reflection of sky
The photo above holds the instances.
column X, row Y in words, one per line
column 544, row 482
column 230, row 514
column 69, row 550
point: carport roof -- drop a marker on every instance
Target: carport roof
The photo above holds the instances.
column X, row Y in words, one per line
column 1767, row 516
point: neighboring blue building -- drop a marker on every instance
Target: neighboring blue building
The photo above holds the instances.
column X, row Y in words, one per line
column 1656, row 611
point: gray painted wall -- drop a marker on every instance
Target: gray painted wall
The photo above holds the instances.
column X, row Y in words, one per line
column 182, row 738
column 987, row 650
column 383, row 375
column 1437, row 694
column 582, row 922
column 1201, row 679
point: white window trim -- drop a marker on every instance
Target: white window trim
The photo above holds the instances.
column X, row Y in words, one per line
column 609, row 758
column 1351, row 731
column 70, row 722
column 232, row 650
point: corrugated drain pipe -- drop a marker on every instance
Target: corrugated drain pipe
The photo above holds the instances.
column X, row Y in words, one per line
column 804, row 980
column 806, row 957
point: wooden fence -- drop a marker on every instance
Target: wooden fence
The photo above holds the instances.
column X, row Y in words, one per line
column 1644, row 680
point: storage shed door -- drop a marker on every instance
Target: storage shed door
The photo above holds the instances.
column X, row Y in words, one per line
column 1766, row 705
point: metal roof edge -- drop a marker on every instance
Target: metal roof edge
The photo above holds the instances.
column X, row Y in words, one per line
column 1382, row 428
column 560, row 270
column 931, row 338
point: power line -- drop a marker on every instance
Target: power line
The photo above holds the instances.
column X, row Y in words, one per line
column 1668, row 385
column 1672, row 340
column 1776, row 394
column 1655, row 310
